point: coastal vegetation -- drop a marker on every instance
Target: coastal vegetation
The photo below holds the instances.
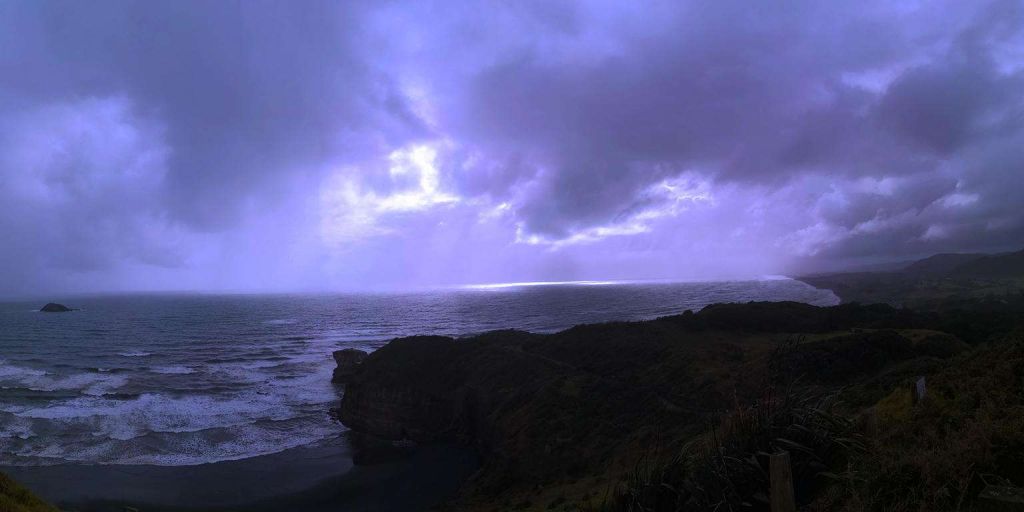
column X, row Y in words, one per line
column 893, row 454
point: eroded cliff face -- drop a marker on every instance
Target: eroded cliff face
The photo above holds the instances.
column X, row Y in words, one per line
column 563, row 416
column 428, row 389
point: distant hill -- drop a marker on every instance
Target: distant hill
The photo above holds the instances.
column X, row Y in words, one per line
column 940, row 264
column 996, row 266
column 936, row 281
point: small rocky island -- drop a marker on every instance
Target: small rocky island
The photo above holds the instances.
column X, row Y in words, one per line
column 53, row 307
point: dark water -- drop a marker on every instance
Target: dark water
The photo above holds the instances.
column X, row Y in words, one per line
column 175, row 380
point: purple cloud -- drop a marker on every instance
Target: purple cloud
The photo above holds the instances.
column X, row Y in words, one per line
column 325, row 145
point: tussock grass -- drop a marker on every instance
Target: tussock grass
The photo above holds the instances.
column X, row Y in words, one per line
column 892, row 456
column 933, row 456
column 726, row 468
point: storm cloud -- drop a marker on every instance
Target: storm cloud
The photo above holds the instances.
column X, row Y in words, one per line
column 333, row 145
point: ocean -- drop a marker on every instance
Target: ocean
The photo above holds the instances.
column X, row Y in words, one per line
column 179, row 380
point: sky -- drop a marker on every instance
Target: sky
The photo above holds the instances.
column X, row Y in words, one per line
column 304, row 145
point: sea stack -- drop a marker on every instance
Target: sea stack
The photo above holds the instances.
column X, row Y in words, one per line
column 55, row 308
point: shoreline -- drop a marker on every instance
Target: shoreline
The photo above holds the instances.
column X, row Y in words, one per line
column 808, row 280
column 316, row 477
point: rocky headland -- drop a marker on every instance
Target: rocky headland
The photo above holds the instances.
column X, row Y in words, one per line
column 562, row 421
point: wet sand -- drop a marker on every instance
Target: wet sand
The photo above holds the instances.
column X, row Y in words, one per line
column 312, row 478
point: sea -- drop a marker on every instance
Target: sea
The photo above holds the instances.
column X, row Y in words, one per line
column 188, row 379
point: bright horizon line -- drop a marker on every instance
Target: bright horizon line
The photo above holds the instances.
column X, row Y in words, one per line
column 61, row 295
column 491, row 286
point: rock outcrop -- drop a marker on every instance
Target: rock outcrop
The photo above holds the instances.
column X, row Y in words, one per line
column 432, row 388
column 348, row 360
column 53, row 307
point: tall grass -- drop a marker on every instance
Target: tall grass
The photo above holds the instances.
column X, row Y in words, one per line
column 935, row 455
column 726, row 469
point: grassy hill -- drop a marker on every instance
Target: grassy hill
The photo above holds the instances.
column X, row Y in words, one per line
column 997, row 266
column 937, row 282
column 939, row 265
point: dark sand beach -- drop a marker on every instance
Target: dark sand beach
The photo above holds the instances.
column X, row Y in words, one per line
column 319, row 477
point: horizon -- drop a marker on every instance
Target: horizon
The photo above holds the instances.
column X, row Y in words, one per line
column 470, row 287
column 490, row 286
column 321, row 147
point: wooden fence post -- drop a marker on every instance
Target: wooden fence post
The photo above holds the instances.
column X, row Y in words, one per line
column 781, row 481
column 918, row 390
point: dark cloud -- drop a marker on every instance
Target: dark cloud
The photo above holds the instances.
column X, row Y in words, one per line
column 241, row 98
column 721, row 88
column 753, row 95
column 179, row 135
column 943, row 107
column 246, row 91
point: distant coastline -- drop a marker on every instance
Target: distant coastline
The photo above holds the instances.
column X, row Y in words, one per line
column 811, row 281
column 507, row 396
